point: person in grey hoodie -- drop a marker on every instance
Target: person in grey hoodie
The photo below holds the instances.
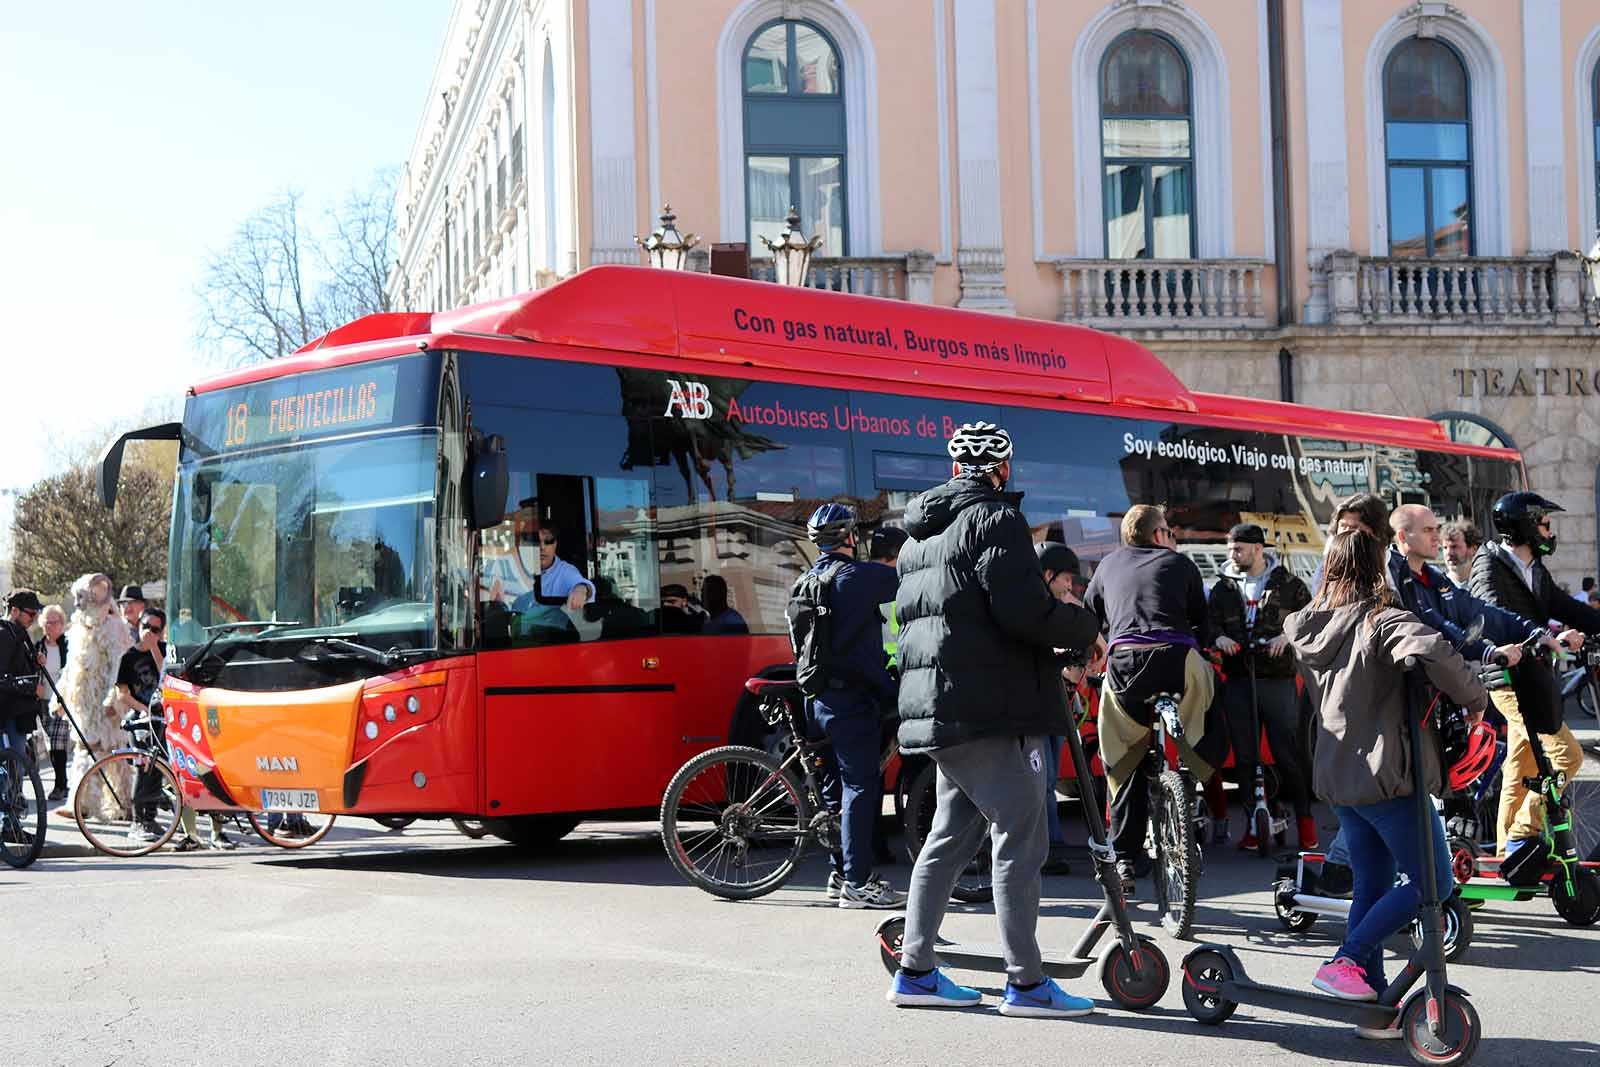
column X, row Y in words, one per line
column 1350, row 644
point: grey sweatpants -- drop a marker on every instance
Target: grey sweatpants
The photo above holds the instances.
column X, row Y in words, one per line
column 994, row 782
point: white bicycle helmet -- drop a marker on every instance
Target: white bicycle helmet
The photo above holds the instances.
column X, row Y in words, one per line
column 979, row 446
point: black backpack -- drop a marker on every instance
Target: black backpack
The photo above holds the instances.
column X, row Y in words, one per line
column 811, row 625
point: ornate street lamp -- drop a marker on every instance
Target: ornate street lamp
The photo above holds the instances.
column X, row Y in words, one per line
column 666, row 247
column 791, row 252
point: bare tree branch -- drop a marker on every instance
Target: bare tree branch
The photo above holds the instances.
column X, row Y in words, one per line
column 277, row 284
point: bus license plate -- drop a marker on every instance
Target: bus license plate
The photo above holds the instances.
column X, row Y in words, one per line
column 289, row 800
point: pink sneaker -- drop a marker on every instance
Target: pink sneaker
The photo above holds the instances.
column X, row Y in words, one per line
column 1345, row 979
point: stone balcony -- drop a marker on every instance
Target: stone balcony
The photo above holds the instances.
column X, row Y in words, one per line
column 1549, row 290
column 900, row 276
column 1164, row 294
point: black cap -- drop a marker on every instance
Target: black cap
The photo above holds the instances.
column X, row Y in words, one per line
column 1248, row 533
column 24, row 600
column 130, row 592
column 1057, row 557
column 887, row 542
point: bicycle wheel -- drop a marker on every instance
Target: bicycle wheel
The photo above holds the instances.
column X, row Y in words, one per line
column 976, row 884
column 296, row 829
column 472, row 828
column 734, row 822
column 128, row 804
column 1177, row 866
column 22, row 813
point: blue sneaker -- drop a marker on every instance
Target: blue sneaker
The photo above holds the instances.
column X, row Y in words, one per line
column 1047, row 1001
column 932, row 990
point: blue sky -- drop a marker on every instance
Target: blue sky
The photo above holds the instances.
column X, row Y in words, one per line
column 136, row 137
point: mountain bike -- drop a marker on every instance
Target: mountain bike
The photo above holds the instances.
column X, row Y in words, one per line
column 737, row 820
column 1171, row 838
column 22, row 810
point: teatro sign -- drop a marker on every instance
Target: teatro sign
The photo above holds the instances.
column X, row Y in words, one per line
column 1527, row 381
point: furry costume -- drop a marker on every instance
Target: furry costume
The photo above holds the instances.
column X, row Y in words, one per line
column 98, row 638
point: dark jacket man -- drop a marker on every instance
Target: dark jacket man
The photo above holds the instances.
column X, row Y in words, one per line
column 1497, row 579
column 1439, row 602
column 1283, row 595
column 977, row 623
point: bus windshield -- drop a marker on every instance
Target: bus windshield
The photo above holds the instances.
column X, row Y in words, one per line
column 331, row 540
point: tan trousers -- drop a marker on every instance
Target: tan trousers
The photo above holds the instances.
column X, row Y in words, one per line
column 1124, row 741
column 1521, row 809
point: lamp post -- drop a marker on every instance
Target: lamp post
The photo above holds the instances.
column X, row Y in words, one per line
column 666, row 247
column 791, row 252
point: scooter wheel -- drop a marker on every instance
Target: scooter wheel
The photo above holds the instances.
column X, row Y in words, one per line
column 1463, row 859
column 1458, row 924
column 1581, row 908
column 1203, row 974
column 1136, row 980
column 1459, row 1039
column 1293, row 919
column 891, row 935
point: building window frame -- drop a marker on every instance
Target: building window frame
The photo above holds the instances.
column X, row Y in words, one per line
column 1148, row 164
column 756, row 146
column 1449, row 420
column 1428, row 166
column 1490, row 184
column 857, row 70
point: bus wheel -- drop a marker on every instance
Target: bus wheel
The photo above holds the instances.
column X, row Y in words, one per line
column 532, row 831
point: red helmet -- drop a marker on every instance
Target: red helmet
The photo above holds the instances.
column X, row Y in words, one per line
column 1475, row 757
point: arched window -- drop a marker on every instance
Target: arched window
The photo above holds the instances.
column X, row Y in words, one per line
column 794, row 135
column 1469, row 429
column 547, row 148
column 1594, row 100
column 1427, row 129
column 1147, row 148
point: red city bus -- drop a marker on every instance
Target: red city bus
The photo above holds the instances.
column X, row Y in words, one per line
column 515, row 561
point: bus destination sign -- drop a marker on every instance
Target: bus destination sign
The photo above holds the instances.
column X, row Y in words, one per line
column 301, row 406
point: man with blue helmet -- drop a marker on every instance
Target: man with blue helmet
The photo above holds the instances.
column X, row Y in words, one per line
column 852, row 689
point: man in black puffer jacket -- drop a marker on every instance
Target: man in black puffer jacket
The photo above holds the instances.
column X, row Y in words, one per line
column 980, row 691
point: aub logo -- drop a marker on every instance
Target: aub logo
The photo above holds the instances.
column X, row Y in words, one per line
column 689, row 400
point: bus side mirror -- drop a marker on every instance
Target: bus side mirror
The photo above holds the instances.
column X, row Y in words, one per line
column 109, row 469
column 490, row 480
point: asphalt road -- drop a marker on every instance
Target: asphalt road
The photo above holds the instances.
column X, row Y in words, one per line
column 423, row 947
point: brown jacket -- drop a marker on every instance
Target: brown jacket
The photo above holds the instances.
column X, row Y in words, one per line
column 1351, row 667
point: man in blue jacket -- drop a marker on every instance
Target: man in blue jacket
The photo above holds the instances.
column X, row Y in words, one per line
column 1426, row 592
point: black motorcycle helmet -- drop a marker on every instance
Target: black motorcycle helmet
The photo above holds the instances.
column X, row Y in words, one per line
column 1516, row 520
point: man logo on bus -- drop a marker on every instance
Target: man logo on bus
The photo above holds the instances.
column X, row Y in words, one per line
column 689, row 400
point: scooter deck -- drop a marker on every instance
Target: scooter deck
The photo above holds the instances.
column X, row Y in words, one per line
column 989, row 958
column 1306, row 1002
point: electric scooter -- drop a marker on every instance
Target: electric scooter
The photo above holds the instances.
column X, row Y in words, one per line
column 1268, row 825
column 1133, row 969
column 1298, row 906
column 1571, row 883
column 1436, row 1019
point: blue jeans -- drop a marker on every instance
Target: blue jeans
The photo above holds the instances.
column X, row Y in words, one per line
column 851, row 779
column 1338, row 849
column 1052, row 771
column 11, row 737
column 1383, row 837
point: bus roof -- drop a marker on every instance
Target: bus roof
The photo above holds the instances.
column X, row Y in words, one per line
column 751, row 324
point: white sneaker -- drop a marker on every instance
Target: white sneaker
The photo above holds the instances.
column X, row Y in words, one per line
column 138, row 835
column 875, row 894
column 835, row 885
column 222, row 843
